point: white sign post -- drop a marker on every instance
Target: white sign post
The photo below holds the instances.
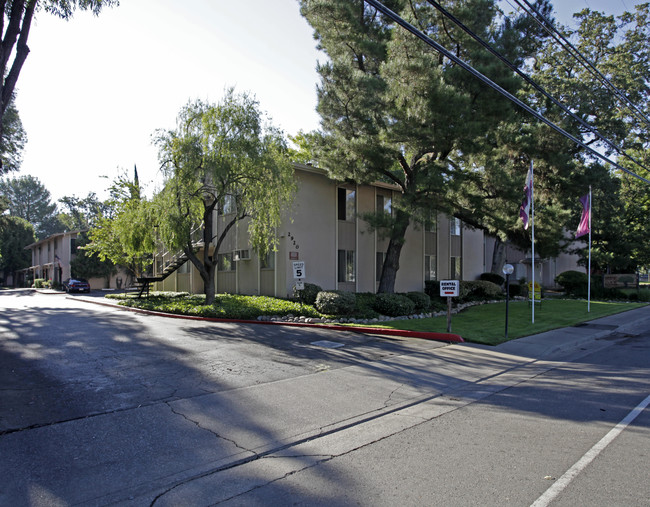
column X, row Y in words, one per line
column 449, row 289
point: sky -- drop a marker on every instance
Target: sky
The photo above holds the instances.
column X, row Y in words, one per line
column 94, row 90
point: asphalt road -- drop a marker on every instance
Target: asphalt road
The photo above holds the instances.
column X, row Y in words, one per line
column 100, row 406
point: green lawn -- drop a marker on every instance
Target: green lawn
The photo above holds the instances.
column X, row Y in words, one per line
column 486, row 323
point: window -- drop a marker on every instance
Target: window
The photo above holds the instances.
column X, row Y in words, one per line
column 454, row 226
column 227, row 205
column 268, row 262
column 347, row 268
column 385, row 204
column 430, row 267
column 73, row 245
column 185, row 267
column 346, row 204
column 379, row 266
column 455, row 268
column 225, row 262
column 431, row 225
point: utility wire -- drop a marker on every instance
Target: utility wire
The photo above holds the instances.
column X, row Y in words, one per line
column 406, row 25
column 547, row 25
column 531, row 82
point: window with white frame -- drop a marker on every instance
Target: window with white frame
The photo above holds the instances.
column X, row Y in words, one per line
column 346, row 204
column 454, row 226
column 384, row 204
column 430, row 262
column 268, row 261
column 346, row 267
column 380, row 258
column 227, row 205
column 431, row 225
column 225, row 262
column 455, row 268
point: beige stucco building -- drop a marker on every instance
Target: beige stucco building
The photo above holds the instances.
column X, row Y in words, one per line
column 51, row 258
column 326, row 231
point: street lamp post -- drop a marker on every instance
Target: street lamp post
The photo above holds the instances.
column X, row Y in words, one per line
column 507, row 270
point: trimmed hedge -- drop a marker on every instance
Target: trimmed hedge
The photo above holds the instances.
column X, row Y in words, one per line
column 335, row 302
column 492, row 277
column 573, row 282
column 421, row 300
column 394, row 305
column 309, row 294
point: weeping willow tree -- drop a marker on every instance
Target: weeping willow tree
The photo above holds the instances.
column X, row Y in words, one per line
column 222, row 152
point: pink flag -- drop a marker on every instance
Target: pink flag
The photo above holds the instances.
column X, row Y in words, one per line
column 524, row 210
column 583, row 228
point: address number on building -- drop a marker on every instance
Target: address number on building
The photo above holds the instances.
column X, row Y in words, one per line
column 449, row 288
column 299, row 269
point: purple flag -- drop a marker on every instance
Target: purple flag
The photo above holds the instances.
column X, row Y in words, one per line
column 583, row 228
column 524, row 210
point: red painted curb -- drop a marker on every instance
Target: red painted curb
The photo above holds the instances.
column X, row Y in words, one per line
column 443, row 337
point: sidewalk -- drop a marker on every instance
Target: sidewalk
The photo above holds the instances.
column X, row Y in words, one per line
column 561, row 341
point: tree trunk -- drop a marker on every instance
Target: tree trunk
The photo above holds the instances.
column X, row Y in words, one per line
column 391, row 262
column 209, row 261
column 498, row 256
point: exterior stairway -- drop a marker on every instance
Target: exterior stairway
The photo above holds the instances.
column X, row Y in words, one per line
column 143, row 284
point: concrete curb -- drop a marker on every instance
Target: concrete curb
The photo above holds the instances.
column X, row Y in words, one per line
column 443, row 337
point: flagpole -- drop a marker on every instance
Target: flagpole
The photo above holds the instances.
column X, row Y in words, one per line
column 589, row 264
column 532, row 224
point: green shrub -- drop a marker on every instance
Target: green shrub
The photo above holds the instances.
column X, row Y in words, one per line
column 515, row 289
column 573, row 282
column 394, row 305
column 492, row 277
column 365, row 304
column 40, row 283
column 421, row 300
column 644, row 295
column 308, row 294
column 432, row 289
column 335, row 302
column 479, row 290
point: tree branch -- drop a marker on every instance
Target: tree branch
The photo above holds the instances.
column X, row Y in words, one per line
column 22, row 50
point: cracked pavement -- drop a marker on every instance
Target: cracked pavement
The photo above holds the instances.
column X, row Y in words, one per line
column 101, row 406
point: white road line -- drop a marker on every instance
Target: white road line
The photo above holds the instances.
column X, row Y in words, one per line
column 548, row 496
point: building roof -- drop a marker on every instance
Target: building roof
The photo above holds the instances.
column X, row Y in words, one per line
column 53, row 236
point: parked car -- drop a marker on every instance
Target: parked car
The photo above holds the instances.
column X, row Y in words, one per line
column 76, row 285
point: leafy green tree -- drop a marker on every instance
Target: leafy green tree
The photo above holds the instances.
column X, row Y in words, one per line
column 12, row 141
column 123, row 233
column 88, row 264
column 618, row 47
column 219, row 152
column 17, row 23
column 15, row 235
column 30, row 200
column 81, row 213
column 396, row 111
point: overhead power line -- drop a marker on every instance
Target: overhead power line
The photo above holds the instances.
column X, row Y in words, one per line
column 533, row 83
column 549, row 27
column 441, row 49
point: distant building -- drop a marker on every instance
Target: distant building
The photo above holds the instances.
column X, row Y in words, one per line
column 51, row 256
column 51, row 259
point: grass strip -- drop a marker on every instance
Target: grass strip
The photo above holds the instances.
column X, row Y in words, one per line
column 486, row 323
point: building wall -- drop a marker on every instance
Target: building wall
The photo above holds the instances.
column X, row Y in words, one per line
column 323, row 235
